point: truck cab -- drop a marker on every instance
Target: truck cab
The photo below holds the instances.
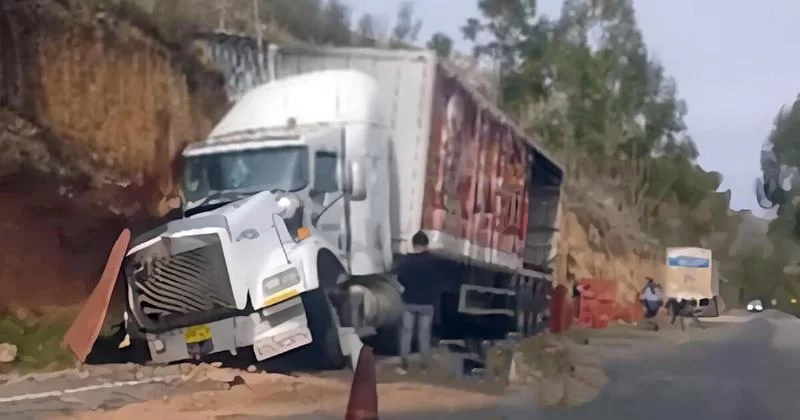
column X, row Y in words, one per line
column 284, row 204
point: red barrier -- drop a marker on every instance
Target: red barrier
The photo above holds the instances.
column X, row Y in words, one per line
column 633, row 312
column 560, row 310
column 598, row 306
column 597, row 303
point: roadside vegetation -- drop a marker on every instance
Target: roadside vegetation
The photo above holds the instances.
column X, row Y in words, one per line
column 776, row 267
column 36, row 339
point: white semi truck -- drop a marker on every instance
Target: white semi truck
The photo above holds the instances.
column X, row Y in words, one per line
column 299, row 202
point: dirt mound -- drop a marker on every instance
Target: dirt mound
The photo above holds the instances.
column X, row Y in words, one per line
column 556, row 371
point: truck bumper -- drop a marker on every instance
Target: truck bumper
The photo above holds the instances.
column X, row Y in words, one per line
column 270, row 331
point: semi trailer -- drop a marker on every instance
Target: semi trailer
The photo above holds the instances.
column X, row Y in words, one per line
column 298, row 205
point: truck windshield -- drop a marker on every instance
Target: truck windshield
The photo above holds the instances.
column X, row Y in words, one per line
column 275, row 168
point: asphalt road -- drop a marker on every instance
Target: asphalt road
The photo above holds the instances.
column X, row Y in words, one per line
column 734, row 373
column 747, row 371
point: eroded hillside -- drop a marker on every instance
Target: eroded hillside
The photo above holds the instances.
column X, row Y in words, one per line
column 93, row 110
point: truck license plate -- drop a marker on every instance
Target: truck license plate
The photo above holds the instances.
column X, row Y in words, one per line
column 197, row 334
column 272, row 346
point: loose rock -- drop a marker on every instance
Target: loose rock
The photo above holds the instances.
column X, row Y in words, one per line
column 220, row 375
column 8, row 352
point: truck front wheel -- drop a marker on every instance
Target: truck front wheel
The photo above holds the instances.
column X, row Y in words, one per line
column 324, row 326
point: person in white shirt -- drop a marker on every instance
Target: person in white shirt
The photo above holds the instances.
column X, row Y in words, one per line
column 652, row 298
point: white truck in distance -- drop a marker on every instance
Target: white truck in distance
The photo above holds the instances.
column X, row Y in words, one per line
column 692, row 275
column 302, row 197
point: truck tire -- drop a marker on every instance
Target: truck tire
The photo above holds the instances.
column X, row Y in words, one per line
column 387, row 340
column 138, row 352
column 106, row 349
column 322, row 322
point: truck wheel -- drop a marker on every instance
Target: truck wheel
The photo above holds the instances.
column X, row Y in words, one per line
column 387, row 340
column 322, row 322
column 138, row 352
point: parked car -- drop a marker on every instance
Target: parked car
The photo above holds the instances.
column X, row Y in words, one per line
column 755, row 305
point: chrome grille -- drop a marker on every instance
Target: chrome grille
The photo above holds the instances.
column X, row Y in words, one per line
column 188, row 282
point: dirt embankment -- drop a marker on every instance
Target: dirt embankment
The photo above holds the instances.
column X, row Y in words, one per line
column 594, row 243
column 93, row 110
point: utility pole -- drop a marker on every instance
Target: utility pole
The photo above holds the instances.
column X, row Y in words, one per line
column 259, row 38
column 498, row 79
column 223, row 15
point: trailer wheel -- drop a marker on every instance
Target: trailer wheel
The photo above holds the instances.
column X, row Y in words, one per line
column 322, row 321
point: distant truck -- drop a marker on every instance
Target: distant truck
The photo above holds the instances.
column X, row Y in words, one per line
column 692, row 275
column 300, row 200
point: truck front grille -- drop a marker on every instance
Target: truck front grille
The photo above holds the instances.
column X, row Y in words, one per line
column 167, row 288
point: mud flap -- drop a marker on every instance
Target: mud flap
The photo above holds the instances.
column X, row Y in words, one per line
column 83, row 332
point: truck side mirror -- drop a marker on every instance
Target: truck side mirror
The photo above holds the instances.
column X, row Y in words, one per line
column 353, row 183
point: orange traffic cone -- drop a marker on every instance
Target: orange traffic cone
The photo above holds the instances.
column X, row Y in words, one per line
column 85, row 329
column 363, row 403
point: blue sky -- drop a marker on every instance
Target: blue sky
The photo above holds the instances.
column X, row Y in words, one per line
column 734, row 60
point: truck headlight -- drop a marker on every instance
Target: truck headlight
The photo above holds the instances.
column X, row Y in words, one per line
column 288, row 204
column 280, row 281
column 291, row 211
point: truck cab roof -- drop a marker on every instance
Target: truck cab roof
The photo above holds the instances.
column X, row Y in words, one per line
column 309, row 100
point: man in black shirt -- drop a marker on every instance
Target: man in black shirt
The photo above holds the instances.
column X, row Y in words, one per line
column 418, row 274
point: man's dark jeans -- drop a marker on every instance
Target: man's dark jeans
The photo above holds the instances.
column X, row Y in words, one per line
column 651, row 308
column 422, row 315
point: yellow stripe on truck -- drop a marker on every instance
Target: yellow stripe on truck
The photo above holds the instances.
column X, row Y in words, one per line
column 280, row 297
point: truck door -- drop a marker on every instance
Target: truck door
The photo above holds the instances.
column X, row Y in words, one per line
column 327, row 198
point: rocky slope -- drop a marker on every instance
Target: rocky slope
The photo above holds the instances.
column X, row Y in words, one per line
column 93, row 109
column 596, row 243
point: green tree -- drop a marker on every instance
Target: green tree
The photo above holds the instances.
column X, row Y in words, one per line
column 366, row 31
column 780, row 187
column 441, row 43
column 336, row 23
column 406, row 27
column 505, row 26
column 586, row 83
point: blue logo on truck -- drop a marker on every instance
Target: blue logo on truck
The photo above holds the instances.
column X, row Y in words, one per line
column 691, row 262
